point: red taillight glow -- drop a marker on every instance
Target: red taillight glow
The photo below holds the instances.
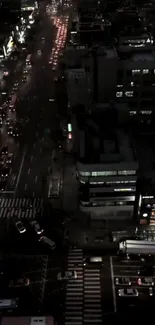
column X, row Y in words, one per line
column 139, row 282
column 69, row 136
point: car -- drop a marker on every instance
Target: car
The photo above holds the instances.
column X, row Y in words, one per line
column 1, row 121
column 146, row 270
column 2, row 185
column 50, row 61
column 20, row 227
column 48, row 242
column 67, row 275
column 16, row 132
column 123, row 281
column 10, row 130
column 151, row 291
column 4, row 150
column 4, row 171
column 16, row 83
column 7, row 122
column 9, row 158
column 93, row 260
column 129, row 292
column 39, row 52
column 2, row 113
column 24, row 79
column 2, row 161
column 19, row 282
column 25, row 71
column 15, row 88
column 145, row 282
column 35, row 225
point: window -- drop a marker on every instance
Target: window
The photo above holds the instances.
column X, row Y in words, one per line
column 132, row 113
column 145, row 71
column 137, row 71
column 124, row 189
column 146, row 112
column 119, row 94
column 126, row 172
column 84, row 174
column 104, row 173
column 129, row 93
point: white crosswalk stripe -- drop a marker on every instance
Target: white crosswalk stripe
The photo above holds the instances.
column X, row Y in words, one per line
column 74, row 290
column 92, row 313
column 20, row 208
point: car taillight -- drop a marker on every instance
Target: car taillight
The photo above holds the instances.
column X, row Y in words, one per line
column 139, row 281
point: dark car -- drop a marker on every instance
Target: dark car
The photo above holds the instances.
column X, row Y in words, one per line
column 4, row 171
column 4, row 150
column 16, row 132
column 2, row 185
column 147, row 270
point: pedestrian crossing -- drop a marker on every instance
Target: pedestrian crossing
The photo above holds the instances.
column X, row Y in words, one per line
column 74, row 290
column 21, row 202
column 83, row 305
column 21, row 208
column 92, row 297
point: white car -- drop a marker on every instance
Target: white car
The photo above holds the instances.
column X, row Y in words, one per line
column 147, row 282
column 67, row 275
column 128, row 292
column 36, row 227
column 20, row 227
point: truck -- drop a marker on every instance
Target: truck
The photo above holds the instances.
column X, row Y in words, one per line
column 136, row 247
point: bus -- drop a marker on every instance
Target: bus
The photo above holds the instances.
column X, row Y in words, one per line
column 13, row 102
column 28, row 60
column 11, row 303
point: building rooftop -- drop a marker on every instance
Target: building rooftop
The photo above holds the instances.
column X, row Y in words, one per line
column 103, row 145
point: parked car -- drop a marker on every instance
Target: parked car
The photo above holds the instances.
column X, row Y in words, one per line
column 67, row 275
column 128, row 292
column 20, row 227
column 147, row 281
column 47, row 241
column 19, row 282
column 123, row 281
column 4, row 150
column 35, row 225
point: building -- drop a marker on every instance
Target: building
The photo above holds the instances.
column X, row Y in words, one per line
column 107, row 168
column 10, row 11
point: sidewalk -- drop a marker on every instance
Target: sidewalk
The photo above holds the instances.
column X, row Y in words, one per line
column 70, row 185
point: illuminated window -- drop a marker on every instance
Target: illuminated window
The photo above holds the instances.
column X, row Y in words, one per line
column 129, row 93
column 145, row 71
column 135, row 72
column 119, row 94
column 146, row 112
column 104, row 173
column 124, row 189
column 131, row 113
column 126, row 172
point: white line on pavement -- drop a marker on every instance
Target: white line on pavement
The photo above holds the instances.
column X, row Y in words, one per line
column 29, row 171
column 36, row 178
column 31, row 158
column 113, row 285
column 25, row 187
column 20, row 169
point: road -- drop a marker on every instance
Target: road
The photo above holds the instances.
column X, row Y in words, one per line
column 37, row 109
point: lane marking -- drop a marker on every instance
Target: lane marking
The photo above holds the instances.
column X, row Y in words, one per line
column 113, row 285
column 36, row 178
column 20, row 170
column 31, row 158
column 25, row 186
column 29, row 171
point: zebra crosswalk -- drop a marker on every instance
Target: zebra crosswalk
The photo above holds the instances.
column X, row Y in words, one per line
column 92, row 297
column 83, row 305
column 21, row 208
column 74, row 290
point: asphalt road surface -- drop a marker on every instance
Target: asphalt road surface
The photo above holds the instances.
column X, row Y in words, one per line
column 36, row 113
